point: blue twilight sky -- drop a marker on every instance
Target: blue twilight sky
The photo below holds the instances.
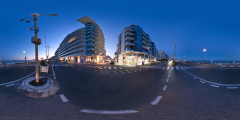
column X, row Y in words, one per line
column 194, row 24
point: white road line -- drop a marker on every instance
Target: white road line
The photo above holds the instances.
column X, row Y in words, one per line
column 53, row 73
column 172, row 68
column 168, row 75
column 163, row 68
column 17, row 80
column 232, row 87
column 64, row 99
column 105, row 67
column 109, row 67
column 167, row 68
column 108, row 112
column 165, row 87
column 202, row 81
column 120, row 68
column 156, row 101
column 115, row 68
column 167, row 80
column 194, row 78
column 9, row 85
column 215, row 86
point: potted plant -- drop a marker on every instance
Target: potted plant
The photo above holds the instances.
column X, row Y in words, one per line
column 43, row 67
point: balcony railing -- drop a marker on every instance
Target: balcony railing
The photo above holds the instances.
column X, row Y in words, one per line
column 129, row 38
column 144, row 42
column 129, row 50
column 129, row 34
column 129, row 43
column 144, row 34
column 145, row 47
column 145, row 39
column 129, row 29
column 90, row 49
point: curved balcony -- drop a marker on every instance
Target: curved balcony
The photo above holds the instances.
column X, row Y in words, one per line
column 129, row 34
column 145, row 47
column 145, row 39
column 144, row 43
column 144, row 34
column 129, row 43
column 129, row 30
column 129, row 38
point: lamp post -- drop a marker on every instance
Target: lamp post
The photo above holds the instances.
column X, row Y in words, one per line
column 202, row 54
column 25, row 55
column 46, row 48
column 175, row 48
column 34, row 39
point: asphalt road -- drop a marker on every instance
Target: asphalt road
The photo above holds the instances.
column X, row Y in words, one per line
column 183, row 92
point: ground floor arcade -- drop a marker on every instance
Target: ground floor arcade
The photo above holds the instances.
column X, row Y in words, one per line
column 134, row 58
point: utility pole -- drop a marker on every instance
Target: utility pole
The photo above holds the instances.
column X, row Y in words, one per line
column 36, row 50
column 175, row 48
column 35, row 40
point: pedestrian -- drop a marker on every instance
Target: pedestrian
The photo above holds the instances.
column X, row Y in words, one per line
column 142, row 62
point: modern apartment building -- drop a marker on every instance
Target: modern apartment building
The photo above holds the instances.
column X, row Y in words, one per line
column 83, row 45
column 135, row 46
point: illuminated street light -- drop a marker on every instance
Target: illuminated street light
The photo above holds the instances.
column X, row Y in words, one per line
column 202, row 54
column 34, row 39
column 25, row 56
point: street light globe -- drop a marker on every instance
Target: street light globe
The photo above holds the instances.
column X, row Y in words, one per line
column 204, row 50
column 23, row 51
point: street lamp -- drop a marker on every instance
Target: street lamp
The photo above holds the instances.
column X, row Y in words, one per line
column 34, row 39
column 25, row 56
column 202, row 54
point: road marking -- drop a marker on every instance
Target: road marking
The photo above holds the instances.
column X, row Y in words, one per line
column 120, row 68
column 165, row 87
column 53, row 73
column 163, row 68
column 232, row 87
column 17, row 80
column 167, row 68
column 108, row 112
column 215, row 86
column 194, row 78
column 105, row 67
column 202, row 81
column 64, row 99
column 9, row 85
column 115, row 68
column 168, row 75
column 167, row 80
column 156, row 101
column 109, row 67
